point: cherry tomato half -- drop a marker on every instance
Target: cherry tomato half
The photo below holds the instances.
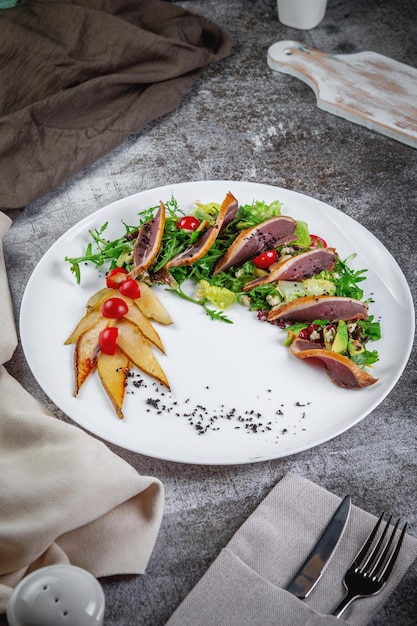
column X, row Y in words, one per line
column 107, row 340
column 115, row 277
column 317, row 242
column 266, row 259
column 114, row 308
column 130, row 288
column 188, row 222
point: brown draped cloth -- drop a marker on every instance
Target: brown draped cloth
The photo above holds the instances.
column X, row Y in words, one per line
column 77, row 77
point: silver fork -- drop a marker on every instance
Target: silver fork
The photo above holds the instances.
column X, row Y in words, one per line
column 372, row 566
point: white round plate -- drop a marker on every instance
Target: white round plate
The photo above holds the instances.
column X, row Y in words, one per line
column 237, row 394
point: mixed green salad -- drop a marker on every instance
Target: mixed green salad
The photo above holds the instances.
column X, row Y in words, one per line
column 215, row 292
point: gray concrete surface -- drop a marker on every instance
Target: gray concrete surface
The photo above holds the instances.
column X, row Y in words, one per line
column 243, row 121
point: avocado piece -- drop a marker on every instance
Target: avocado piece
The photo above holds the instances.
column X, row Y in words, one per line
column 291, row 336
column 354, row 347
column 340, row 343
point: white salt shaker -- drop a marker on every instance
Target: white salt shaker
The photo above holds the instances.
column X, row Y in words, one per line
column 55, row 595
column 302, row 14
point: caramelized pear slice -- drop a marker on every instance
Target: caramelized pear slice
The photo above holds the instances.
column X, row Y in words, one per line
column 86, row 352
column 148, row 303
column 138, row 350
column 151, row 306
column 89, row 319
column 113, row 371
column 96, row 300
column 136, row 317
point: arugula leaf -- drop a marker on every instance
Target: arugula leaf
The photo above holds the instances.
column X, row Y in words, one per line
column 346, row 279
column 370, row 329
column 105, row 251
column 365, row 358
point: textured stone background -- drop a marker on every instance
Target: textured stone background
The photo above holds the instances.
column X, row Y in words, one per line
column 242, row 121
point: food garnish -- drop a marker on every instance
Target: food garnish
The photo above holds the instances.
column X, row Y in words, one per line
column 250, row 255
column 117, row 333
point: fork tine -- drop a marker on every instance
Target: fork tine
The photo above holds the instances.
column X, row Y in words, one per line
column 365, row 548
column 372, row 561
column 382, row 557
column 391, row 562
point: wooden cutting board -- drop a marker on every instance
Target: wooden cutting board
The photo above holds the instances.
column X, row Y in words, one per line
column 366, row 88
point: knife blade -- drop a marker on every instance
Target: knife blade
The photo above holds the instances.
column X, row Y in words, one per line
column 313, row 567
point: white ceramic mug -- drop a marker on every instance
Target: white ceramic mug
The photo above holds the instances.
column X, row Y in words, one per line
column 302, row 14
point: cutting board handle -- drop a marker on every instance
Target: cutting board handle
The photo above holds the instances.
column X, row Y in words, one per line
column 281, row 51
column 366, row 87
column 299, row 60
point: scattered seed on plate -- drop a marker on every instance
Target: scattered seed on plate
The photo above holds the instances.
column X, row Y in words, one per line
column 202, row 419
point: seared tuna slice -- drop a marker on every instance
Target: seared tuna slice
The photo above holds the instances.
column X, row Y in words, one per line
column 342, row 371
column 310, row 308
column 148, row 242
column 163, row 277
column 231, row 207
column 298, row 267
column 252, row 241
column 197, row 250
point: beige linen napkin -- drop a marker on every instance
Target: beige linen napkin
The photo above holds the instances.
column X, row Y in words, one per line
column 65, row 497
column 245, row 584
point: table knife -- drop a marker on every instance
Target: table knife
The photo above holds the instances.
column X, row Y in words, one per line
column 311, row 570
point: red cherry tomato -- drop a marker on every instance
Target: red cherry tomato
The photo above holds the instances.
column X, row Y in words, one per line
column 266, row 259
column 107, row 340
column 188, row 222
column 130, row 288
column 115, row 277
column 114, row 308
column 317, row 242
